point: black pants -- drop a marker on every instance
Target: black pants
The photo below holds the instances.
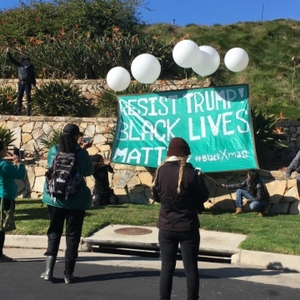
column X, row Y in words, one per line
column 104, row 198
column 74, row 221
column 24, row 87
column 7, row 203
column 189, row 244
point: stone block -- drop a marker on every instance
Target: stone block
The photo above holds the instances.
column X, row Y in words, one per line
column 21, row 186
column 146, row 178
column 39, row 184
column 138, row 189
column 39, row 171
column 133, row 181
column 122, row 195
column 121, row 178
column 280, row 208
column 290, row 183
column 138, row 199
column 291, row 195
column 276, row 189
column 295, row 208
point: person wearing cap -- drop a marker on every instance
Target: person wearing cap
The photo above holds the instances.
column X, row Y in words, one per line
column 26, row 75
column 181, row 191
column 70, row 211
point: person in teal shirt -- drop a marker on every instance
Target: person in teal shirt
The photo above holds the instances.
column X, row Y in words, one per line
column 70, row 211
column 8, row 191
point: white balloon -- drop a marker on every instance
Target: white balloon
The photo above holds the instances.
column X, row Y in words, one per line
column 145, row 68
column 209, row 61
column 118, row 79
column 236, row 59
column 186, row 54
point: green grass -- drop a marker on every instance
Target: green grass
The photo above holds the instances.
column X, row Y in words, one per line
column 273, row 233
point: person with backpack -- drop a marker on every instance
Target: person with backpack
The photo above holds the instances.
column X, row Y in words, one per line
column 181, row 191
column 66, row 203
column 8, row 192
column 26, row 75
column 102, row 193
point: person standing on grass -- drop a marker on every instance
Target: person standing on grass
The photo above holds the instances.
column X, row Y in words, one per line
column 70, row 211
column 181, row 191
column 26, row 75
column 8, row 192
column 251, row 191
column 294, row 166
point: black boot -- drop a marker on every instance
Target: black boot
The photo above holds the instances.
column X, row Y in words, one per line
column 48, row 274
column 69, row 270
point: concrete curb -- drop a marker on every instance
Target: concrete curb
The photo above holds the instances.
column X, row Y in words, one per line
column 211, row 242
column 267, row 260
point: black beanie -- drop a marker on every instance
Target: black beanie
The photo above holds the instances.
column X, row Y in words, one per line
column 178, row 147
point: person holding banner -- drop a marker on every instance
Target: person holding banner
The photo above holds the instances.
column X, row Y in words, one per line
column 181, row 191
column 251, row 191
column 294, row 166
column 102, row 193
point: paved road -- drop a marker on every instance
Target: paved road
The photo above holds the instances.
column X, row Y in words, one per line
column 20, row 280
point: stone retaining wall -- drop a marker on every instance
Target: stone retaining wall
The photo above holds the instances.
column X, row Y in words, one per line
column 131, row 183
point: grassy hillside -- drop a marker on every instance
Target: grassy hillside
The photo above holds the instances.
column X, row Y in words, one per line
column 106, row 35
column 274, row 80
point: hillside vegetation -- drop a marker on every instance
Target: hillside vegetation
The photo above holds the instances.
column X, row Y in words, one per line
column 79, row 39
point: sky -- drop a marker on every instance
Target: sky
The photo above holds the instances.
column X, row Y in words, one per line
column 209, row 12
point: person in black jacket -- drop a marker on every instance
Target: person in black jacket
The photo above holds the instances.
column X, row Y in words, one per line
column 181, row 191
column 294, row 166
column 26, row 77
column 102, row 193
column 251, row 191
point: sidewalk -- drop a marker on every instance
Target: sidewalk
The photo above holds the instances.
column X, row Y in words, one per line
column 252, row 266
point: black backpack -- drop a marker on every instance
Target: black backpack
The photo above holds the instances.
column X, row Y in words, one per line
column 63, row 178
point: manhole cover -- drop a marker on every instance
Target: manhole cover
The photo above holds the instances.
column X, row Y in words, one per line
column 133, row 231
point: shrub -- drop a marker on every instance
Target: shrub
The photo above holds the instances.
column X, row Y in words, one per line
column 107, row 100
column 264, row 126
column 60, row 98
column 8, row 100
column 6, row 135
column 52, row 140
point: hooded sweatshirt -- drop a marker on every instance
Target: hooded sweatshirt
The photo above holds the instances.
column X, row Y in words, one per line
column 26, row 72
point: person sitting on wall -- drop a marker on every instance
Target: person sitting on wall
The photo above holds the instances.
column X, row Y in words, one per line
column 102, row 193
column 251, row 191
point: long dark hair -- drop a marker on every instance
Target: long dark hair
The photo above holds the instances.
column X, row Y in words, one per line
column 254, row 179
column 65, row 142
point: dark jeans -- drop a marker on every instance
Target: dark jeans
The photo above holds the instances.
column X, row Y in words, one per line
column 258, row 206
column 189, row 244
column 24, row 87
column 74, row 221
column 7, row 203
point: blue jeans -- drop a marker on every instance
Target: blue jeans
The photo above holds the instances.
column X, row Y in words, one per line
column 258, row 206
column 189, row 245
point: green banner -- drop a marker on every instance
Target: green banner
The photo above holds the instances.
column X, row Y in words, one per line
column 215, row 121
